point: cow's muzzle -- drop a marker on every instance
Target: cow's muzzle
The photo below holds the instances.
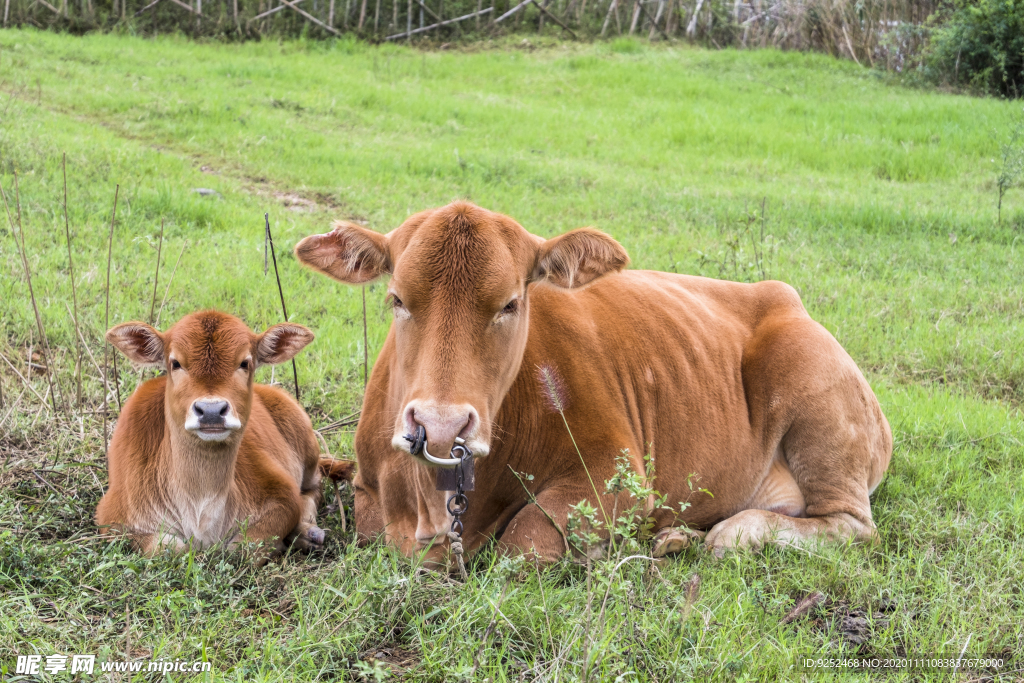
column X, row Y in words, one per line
column 212, row 419
column 441, row 427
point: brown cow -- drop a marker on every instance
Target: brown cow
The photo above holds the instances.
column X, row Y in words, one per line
column 731, row 382
column 203, row 455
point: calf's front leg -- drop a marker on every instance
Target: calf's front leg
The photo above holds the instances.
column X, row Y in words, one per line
column 152, row 544
column 307, row 535
column 273, row 524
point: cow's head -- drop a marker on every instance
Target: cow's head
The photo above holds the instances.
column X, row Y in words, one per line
column 460, row 292
column 210, row 359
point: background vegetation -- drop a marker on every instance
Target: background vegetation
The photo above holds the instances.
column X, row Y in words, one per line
column 982, row 43
column 841, row 27
column 877, row 202
column 975, row 45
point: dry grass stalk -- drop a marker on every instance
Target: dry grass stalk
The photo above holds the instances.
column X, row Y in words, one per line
column 489, row 630
column 809, row 602
column 28, row 277
column 156, row 277
column 106, row 324
column 99, row 372
column 25, row 381
column 691, row 594
column 325, row 452
column 280, row 291
column 74, row 288
column 347, row 421
column 174, row 270
column 366, row 352
column 14, row 406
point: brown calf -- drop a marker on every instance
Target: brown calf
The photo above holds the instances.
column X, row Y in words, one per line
column 732, row 382
column 202, row 455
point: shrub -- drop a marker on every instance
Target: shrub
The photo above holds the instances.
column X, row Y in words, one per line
column 981, row 44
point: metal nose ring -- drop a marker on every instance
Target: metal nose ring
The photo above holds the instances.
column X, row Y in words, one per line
column 419, row 444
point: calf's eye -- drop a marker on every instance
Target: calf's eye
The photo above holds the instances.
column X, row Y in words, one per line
column 244, row 365
column 511, row 307
column 175, row 365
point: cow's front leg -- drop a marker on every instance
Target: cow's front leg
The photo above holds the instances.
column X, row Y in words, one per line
column 753, row 528
column 273, row 524
column 673, row 540
column 539, row 530
column 307, row 535
column 153, row 544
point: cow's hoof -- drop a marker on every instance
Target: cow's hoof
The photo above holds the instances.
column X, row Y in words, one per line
column 316, row 535
column 310, row 538
column 745, row 530
column 671, row 541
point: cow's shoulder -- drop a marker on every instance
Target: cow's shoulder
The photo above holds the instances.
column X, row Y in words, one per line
column 133, row 455
column 140, row 427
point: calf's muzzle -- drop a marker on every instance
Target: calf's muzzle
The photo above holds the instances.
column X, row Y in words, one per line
column 212, row 419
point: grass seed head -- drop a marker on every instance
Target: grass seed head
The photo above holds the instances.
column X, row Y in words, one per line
column 554, row 388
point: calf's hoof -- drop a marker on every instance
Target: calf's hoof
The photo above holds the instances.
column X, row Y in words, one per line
column 310, row 538
column 316, row 535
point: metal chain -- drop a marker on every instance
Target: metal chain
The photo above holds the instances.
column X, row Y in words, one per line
column 461, row 504
column 417, row 445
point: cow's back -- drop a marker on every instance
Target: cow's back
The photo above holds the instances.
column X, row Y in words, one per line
column 280, row 432
column 654, row 362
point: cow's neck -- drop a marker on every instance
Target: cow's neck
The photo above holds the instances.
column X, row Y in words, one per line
column 199, row 483
column 201, row 470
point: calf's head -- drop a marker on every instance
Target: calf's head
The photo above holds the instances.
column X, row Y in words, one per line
column 210, row 359
column 460, row 279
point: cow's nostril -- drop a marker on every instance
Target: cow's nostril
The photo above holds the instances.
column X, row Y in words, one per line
column 436, row 426
column 211, row 412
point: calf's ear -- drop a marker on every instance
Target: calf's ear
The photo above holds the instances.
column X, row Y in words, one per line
column 143, row 345
column 281, row 342
column 578, row 258
column 349, row 253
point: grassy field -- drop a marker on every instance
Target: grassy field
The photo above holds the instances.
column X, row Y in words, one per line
column 877, row 202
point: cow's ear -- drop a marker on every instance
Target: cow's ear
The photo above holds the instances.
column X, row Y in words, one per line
column 350, row 253
column 143, row 345
column 578, row 258
column 281, row 342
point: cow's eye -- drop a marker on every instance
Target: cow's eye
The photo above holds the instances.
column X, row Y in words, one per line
column 175, row 365
column 244, row 365
column 510, row 307
column 396, row 302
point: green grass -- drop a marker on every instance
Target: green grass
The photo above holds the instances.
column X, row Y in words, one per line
column 880, row 207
